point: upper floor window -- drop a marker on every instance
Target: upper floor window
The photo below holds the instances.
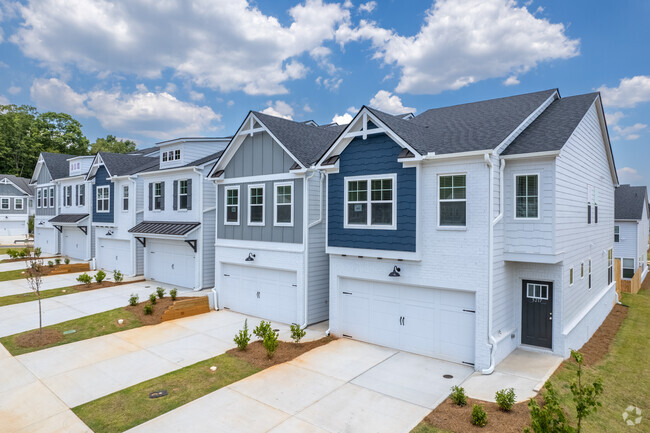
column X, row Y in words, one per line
column 177, row 154
column 283, row 208
column 18, row 203
column 81, row 195
column 103, row 199
column 370, row 201
column 628, row 268
column 570, row 276
column 158, row 196
column 125, row 197
column 610, row 266
column 256, row 205
column 527, row 196
column 51, row 196
column 4, row 203
column 67, row 196
column 232, row 205
column 182, row 194
column 164, row 156
column 590, row 195
column 39, row 193
column 46, row 199
column 589, row 275
column 617, row 234
column 452, row 201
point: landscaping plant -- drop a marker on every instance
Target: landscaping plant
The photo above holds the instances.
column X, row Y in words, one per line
column 585, row 397
column 505, row 399
column 549, row 418
column 270, row 343
column 148, row 309
column 297, row 332
column 172, row 294
column 243, row 337
column 85, row 278
column 99, row 276
column 133, row 300
column 66, row 260
column 262, row 329
column 117, row 276
column 458, row 396
column 479, row 416
column 23, row 253
column 161, row 292
column 152, row 298
column 34, row 277
column 12, row 253
column 50, row 263
column 57, row 261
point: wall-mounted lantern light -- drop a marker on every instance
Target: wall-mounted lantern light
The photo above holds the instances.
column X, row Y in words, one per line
column 395, row 272
column 250, row 257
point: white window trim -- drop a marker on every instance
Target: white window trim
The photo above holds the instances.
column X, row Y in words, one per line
column 572, row 276
column 2, row 199
column 46, row 201
column 153, row 198
column 225, row 202
column 39, row 198
column 368, row 225
column 19, row 200
column 78, row 191
column 128, row 197
column 51, row 203
column 541, row 298
column 610, row 265
column 441, row 227
column 619, row 234
column 263, row 222
column 623, row 267
column 108, row 197
column 275, row 204
column 177, row 151
column 65, row 195
column 590, row 281
column 539, row 201
column 178, row 196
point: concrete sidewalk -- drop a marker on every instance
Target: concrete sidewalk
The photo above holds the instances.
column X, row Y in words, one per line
column 15, row 287
column 10, row 266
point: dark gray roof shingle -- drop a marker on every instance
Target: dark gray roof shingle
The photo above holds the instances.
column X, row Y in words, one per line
column 628, row 202
column 196, row 163
column 57, row 164
column 120, row 164
column 20, row 182
column 551, row 130
column 164, row 228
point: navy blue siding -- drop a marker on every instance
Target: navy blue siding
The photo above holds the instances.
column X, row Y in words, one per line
column 101, row 180
column 375, row 155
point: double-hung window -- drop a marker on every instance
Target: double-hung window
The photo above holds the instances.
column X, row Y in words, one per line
column 4, row 203
column 18, row 203
column 46, row 199
column 125, row 197
column 67, row 196
column 283, row 206
column 256, row 205
column 232, row 205
column 81, row 195
column 164, row 156
column 610, row 266
column 39, row 194
column 177, row 154
column 452, row 200
column 52, row 196
column 628, row 268
column 157, row 196
column 527, row 196
column 589, row 286
column 182, row 194
column 617, row 234
column 103, row 199
column 370, row 202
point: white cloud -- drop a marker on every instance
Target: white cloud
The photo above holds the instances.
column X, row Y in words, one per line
column 389, row 103
column 159, row 115
column 614, row 118
column 630, row 132
column 226, row 45
column 14, row 90
column 465, row 41
column 511, row 81
column 307, row 108
column 196, row 96
column 368, row 7
column 348, row 4
column 279, row 109
column 4, row 100
column 331, row 83
column 230, row 103
column 629, row 93
column 628, row 175
column 342, row 119
column 171, row 88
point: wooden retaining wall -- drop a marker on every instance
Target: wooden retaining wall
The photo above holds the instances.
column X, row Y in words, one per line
column 72, row 267
column 186, row 308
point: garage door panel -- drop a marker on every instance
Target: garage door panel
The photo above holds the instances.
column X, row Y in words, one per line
column 456, row 329
column 73, row 243
column 114, row 254
column 171, row 262
column 12, row 228
column 355, row 314
column 45, row 239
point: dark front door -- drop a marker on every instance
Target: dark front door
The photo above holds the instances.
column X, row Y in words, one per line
column 537, row 313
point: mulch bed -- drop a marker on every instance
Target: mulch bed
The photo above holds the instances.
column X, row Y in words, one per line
column 24, row 259
column 598, row 345
column 159, row 309
column 35, row 339
column 102, row 285
column 255, row 353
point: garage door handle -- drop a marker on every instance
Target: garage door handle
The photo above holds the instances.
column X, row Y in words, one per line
column 226, row 275
column 347, row 293
column 258, row 295
column 469, row 311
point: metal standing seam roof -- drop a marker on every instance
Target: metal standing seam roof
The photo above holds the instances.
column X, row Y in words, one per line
column 20, row 182
column 628, row 202
column 164, row 228
column 70, row 218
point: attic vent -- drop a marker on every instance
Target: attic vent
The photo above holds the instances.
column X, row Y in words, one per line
column 405, row 153
column 331, row 160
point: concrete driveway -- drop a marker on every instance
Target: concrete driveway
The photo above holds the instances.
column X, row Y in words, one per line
column 15, row 287
column 10, row 266
column 345, row 386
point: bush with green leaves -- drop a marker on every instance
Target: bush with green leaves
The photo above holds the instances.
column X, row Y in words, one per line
column 12, row 253
column 148, row 309
column 160, row 292
column 505, row 399
column 297, row 332
column 57, row 261
column 23, row 253
column 172, row 294
column 99, row 276
column 66, row 260
column 479, row 415
column 458, row 396
column 243, row 337
column 50, row 263
column 270, row 343
column 117, row 276
column 37, row 252
column 262, row 329
column 133, row 300
column 585, row 396
column 85, row 278
column 152, row 298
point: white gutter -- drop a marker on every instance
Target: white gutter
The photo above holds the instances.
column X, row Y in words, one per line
column 199, row 254
column 305, row 255
column 432, row 155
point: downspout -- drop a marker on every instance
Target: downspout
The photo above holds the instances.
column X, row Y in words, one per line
column 134, row 217
column 199, row 278
column 306, row 240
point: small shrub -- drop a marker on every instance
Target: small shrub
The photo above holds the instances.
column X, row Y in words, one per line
column 12, row 253
column 270, row 343
column 133, row 300
column 262, row 329
column 160, row 292
column 505, row 399
column 458, row 396
column 479, row 415
column 50, row 263
column 57, row 261
column 172, row 294
column 243, row 337
column 99, row 276
column 152, row 298
column 37, row 252
column 85, row 278
column 550, row 417
column 297, row 332
column 66, row 260
column 117, row 276
column 148, row 309
column 23, row 253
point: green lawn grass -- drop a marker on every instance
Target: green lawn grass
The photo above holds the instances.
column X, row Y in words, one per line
column 16, row 274
column 30, row 296
column 3, row 250
column 86, row 327
column 132, row 406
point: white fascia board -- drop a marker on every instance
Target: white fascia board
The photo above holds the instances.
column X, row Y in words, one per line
column 431, row 156
column 262, row 178
column 95, row 166
column 550, row 153
column 263, row 246
column 378, row 254
column 169, row 170
column 608, row 145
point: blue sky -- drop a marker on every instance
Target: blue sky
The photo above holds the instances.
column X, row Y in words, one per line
column 151, row 70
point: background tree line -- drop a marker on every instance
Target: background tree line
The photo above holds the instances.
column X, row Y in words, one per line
column 25, row 133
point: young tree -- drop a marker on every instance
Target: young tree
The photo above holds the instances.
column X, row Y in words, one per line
column 34, row 277
column 585, row 397
column 112, row 145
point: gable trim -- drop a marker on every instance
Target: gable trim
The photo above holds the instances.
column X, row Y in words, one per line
column 94, row 166
column 6, row 181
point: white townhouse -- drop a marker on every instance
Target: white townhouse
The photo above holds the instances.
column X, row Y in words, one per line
column 270, row 258
column 178, row 224
column 468, row 231
column 118, row 205
column 16, row 205
column 631, row 230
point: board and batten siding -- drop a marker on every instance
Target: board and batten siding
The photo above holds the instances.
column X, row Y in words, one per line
column 318, row 259
column 44, row 177
column 376, row 155
column 12, row 193
column 101, row 179
column 258, row 155
column 208, row 228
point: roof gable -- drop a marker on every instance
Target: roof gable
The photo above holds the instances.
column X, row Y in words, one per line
column 630, row 202
column 20, row 183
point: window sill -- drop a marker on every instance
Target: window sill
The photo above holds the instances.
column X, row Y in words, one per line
column 453, row 228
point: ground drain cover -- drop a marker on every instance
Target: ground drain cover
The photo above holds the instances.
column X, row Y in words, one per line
column 157, row 394
column 447, row 376
column 71, row 331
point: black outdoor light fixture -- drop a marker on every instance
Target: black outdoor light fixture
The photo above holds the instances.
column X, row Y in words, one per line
column 395, row 272
column 109, row 233
column 250, row 257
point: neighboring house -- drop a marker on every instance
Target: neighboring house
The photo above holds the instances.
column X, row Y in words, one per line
column 468, row 231
column 177, row 230
column 16, row 205
column 270, row 258
column 49, row 168
column 118, row 205
column 631, row 230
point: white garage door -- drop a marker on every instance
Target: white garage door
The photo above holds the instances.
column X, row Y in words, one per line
column 73, row 243
column 437, row 323
column 13, row 228
column 45, row 239
column 114, row 254
column 171, row 262
column 267, row 293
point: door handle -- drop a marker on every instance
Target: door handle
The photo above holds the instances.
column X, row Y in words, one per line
column 258, row 295
column 550, row 316
column 403, row 321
